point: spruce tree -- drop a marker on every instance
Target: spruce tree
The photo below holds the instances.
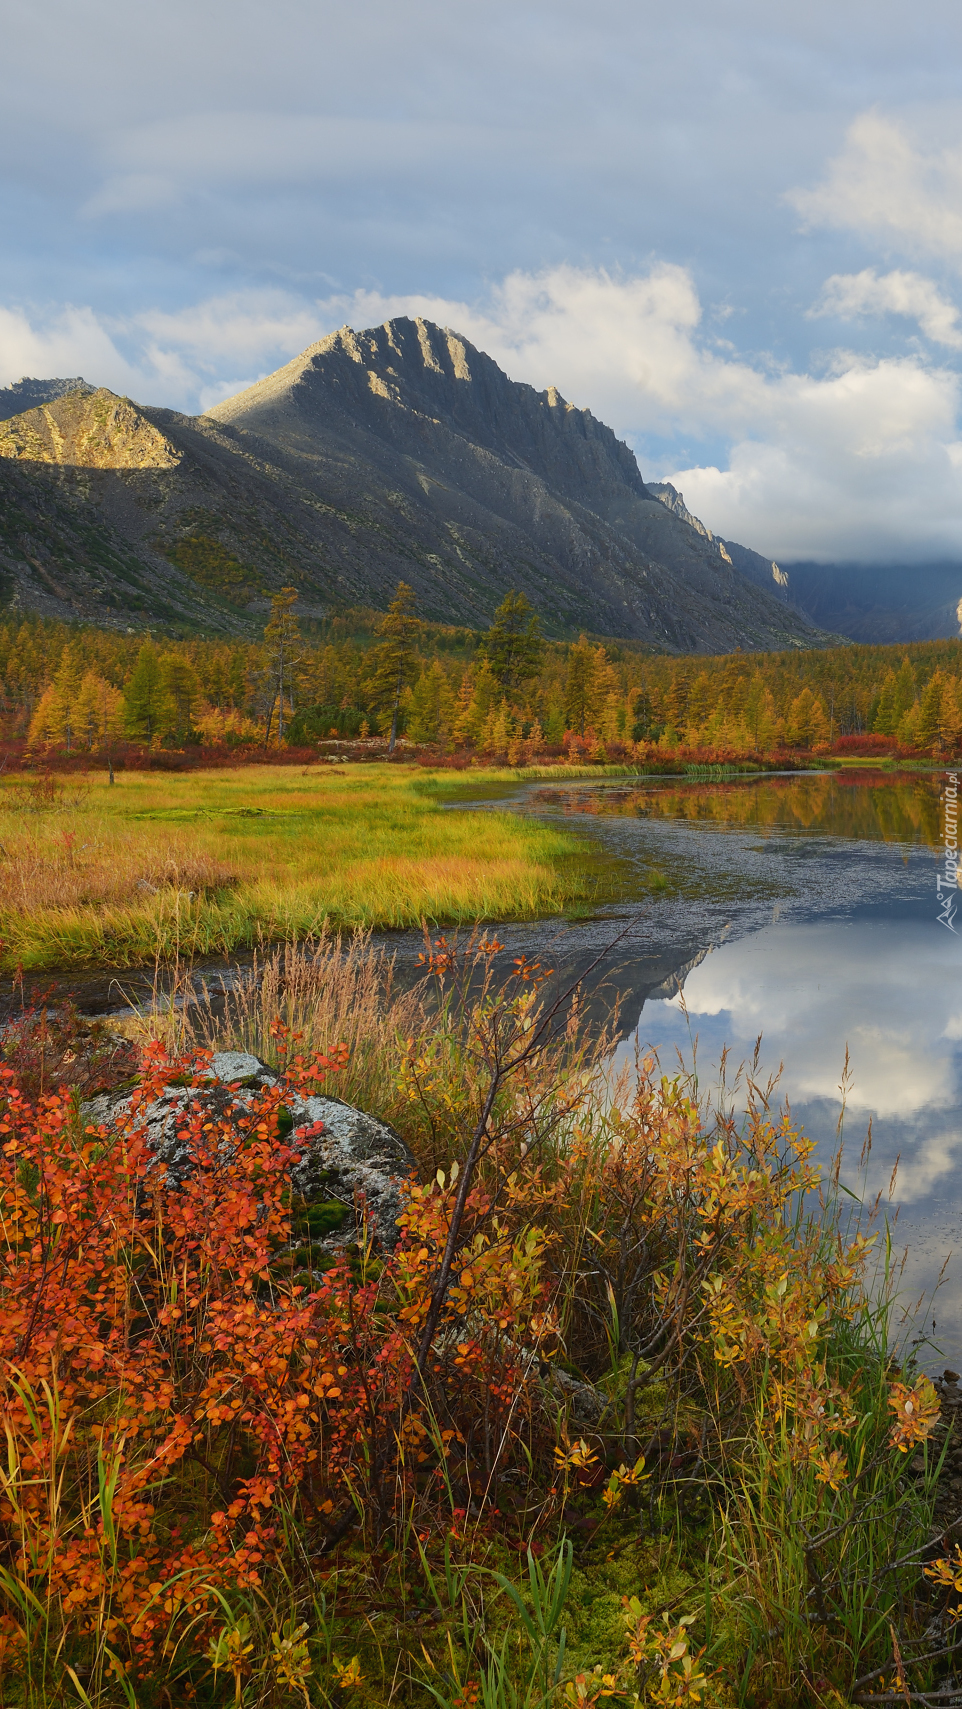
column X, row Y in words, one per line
column 395, row 661
column 513, row 645
column 144, row 694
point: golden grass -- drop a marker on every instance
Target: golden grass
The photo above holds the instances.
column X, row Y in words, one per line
column 207, row 862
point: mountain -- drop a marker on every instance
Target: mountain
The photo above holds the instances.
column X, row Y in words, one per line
column 881, row 602
column 400, row 452
column 764, row 572
column 30, row 394
column 878, row 603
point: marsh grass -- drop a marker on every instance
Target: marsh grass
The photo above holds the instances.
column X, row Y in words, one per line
column 331, row 988
column 204, row 863
column 810, row 1580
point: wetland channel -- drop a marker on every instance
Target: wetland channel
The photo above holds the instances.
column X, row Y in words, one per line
column 802, row 908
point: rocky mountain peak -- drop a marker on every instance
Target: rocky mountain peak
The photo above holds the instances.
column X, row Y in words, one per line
column 396, row 452
column 28, row 394
column 87, row 429
column 381, row 377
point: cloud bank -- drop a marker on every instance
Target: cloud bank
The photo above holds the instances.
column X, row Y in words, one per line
column 860, row 460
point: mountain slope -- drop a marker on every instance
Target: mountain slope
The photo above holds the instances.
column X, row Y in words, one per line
column 881, row 602
column 506, row 486
column 31, row 394
column 401, row 452
column 764, row 572
column 873, row 603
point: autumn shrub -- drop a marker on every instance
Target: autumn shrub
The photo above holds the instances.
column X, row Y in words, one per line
column 246, row 1464
column 866, row 742
column 52, row 1046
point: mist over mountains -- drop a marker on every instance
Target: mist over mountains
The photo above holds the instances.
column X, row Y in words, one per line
column 401, row 452
column 874, row 603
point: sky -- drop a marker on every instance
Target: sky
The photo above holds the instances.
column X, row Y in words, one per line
column 730, row 228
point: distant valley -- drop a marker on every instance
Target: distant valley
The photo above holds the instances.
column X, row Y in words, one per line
column 875, row 603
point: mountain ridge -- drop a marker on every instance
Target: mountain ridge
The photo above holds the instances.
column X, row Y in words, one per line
column 400, row 452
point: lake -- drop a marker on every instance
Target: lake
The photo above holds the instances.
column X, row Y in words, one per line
column 804, row 909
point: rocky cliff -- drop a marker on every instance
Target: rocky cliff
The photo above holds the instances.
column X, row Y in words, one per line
column 400, row 452
column 764, row 572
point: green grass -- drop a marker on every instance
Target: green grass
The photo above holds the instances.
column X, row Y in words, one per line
column 208, row 862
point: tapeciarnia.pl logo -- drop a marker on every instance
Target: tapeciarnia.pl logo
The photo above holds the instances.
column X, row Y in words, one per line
column 947, row 880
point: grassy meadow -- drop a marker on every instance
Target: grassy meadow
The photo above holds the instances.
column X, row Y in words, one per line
column 199, row 863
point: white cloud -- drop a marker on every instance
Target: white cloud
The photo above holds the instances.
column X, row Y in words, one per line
column 180, row 359
column 851, row 295
column 69, row 342
column 885, row 184
column 934, row 1161
column 862, row 460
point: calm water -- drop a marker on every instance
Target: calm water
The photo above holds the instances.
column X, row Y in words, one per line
column 804, row 910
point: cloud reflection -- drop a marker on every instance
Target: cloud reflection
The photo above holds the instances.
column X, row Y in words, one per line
column 888, row 992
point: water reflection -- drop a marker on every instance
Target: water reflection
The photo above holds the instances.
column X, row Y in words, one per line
column 848, row 953
column 902, row 809
column 889, row 990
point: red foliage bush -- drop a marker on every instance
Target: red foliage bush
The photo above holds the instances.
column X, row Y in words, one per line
column 180, row 1380
column 868, row 742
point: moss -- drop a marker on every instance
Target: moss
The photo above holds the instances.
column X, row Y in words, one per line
column 593, row 1616
column 323, row 1218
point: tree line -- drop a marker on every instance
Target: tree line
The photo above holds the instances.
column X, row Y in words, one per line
column 494, row 692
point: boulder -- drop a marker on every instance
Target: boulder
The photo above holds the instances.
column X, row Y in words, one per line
column 353, row 1156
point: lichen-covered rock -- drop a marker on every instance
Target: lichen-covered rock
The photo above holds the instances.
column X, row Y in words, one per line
column 354, row 1160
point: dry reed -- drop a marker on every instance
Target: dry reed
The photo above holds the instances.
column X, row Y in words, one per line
column 329, row 990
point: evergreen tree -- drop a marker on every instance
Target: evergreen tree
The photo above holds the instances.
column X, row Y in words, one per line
column 143, row 694
column 395, row 661
column 929, row 729
column 582, row 686
column 904, row 688
column 886, row 716
column 179, row 698
column 513, row 646
column 432, row 708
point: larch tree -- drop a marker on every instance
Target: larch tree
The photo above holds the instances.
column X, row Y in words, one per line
column 282, row 640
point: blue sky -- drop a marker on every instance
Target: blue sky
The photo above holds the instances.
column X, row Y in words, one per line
column 731, row 229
